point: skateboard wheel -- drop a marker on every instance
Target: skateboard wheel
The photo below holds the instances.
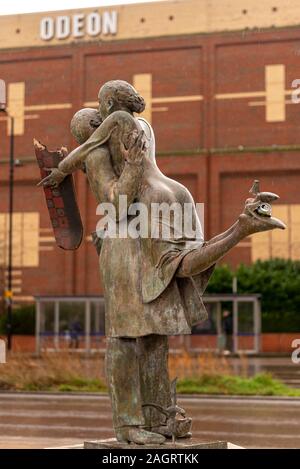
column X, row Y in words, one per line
column 264, row 210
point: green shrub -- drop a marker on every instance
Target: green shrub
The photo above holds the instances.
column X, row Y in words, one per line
column 221, row 280
column 260, row 385
column 23, row 321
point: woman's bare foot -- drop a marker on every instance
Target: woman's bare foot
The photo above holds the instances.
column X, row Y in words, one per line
column 257, row 215
column 255, row 223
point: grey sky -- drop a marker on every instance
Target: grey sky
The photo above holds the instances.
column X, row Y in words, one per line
column 20, row 6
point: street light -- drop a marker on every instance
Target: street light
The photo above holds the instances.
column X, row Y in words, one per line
column 8, row 291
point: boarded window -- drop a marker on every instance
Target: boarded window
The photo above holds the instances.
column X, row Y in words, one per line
column 279, row 243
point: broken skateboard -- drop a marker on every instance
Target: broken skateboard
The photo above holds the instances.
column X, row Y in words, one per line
column 61, row 201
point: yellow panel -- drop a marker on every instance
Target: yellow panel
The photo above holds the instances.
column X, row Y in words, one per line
column 17, row 239
column 31, row 239
column 25, row 239
column 2, row 238
column 178, row 99
column 281, row 238
column 282, row 243
column 260, row 246
column 48, row 107
column 275, row 93
column 295, row 234
column 16, row 103
column 143, row 84
column 241, row 95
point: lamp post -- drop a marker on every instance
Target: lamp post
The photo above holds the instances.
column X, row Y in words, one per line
column 8, row 291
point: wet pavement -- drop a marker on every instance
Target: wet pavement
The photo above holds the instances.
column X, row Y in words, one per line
column 43, row 420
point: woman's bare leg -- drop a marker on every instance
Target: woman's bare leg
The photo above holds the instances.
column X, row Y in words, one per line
column 212, row 251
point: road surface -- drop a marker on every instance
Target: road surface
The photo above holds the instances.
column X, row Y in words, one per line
column 45, row 420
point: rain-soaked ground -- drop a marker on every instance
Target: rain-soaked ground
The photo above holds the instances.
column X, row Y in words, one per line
column 43, row 420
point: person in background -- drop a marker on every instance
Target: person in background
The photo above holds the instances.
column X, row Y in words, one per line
column 74, row 330
column 227, row 328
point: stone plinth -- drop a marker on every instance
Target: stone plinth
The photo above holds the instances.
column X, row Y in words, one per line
column 193, row 443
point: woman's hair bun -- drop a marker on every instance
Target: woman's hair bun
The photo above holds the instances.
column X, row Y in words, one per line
column 128, row 96
column 138, row 104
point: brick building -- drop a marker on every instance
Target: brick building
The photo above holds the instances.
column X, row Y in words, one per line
column 217, row 77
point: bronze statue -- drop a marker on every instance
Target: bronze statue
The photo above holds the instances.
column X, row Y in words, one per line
column 153, row 285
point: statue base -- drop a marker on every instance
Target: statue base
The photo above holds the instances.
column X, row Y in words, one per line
column 192, row 443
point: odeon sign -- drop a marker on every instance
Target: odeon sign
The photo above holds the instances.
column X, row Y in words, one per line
column 79, row 25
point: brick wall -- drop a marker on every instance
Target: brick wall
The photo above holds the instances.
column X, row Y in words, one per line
column 219, row 85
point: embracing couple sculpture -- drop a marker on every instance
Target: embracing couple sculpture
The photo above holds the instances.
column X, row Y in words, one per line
column 153, row 287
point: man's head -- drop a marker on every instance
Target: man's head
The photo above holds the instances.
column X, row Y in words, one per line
column 226, row 313
column 84, row 124
column 119, row 95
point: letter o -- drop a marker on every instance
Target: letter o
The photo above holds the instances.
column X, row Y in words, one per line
column 47, row 29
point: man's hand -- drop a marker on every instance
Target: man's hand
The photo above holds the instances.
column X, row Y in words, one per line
column 53, row 179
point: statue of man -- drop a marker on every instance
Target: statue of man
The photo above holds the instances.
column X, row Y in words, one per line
column 153, row 286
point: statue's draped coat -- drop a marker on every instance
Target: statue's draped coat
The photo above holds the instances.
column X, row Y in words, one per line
column 143, row 295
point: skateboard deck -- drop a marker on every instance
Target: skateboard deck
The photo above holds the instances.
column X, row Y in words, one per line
column 61, row 201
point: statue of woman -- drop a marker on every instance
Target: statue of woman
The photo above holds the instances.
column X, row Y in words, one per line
column 153, row 285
